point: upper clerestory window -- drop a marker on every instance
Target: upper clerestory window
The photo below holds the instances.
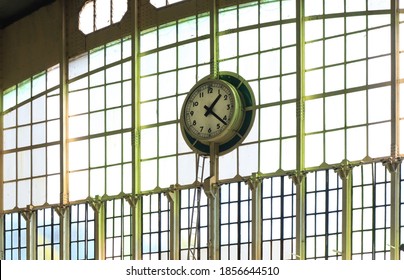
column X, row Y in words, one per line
column 163, row 3
column 98, row 14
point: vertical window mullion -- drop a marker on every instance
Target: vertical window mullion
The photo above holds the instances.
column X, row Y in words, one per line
column 373, row 211
column 327, row 214
column 282, row 237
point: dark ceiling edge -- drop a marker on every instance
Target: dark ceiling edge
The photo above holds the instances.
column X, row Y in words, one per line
column 23, row 13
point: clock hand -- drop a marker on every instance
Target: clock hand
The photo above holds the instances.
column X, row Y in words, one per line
column 209, row 109
column 214, row 114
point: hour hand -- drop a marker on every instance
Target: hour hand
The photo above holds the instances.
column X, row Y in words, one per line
column 209, row 109
column 214, row 114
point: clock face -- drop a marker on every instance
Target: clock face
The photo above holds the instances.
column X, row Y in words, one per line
column 210, row 110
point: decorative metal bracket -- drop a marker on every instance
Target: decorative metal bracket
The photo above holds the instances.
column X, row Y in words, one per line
column 27, row 212
column 392, row 163
column 298, row 177
column 132, row 199
column 60, row 210
column 344, row 170
column 255, row 180
column 95, row 203
column 210, row 189
column 170, row 194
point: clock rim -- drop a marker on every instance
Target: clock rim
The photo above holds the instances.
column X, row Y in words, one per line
column 248, row 108
column 228, row 132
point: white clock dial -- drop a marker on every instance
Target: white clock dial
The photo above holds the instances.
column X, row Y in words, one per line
column 210, row 111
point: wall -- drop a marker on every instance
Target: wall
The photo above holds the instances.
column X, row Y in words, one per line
column 31, row 44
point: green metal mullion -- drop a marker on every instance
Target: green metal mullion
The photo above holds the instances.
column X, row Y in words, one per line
column 281, row 106
column 2, row 215
column 395, row 165
column 367, row 82
column 214, row 38
column 299, row 177
column 238, row 222
column 2, row 230
column 121, row 106
column 282, row 239
column 64, row 213
column 345, row 86
column 345, row 174
column 255, row 185
column 323, row 93
column 327, row 214
column 122, row 218
column 373, row 211
column 136, row 160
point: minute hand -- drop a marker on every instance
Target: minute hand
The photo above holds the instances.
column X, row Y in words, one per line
column 209, row 109
column 215, row 115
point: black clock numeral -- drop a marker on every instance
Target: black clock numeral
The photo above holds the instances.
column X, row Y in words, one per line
column 228, row 107
column 201, row 127
column 195, row 103
column 218, row 126
column 191, row 113
column 225, row 97
column 225, row 118
column 210, row 90
column 209, row 130
column 194, row 122
column 201, row 94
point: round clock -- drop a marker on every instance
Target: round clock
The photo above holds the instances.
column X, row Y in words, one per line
column 217, row 111
column 212, row 111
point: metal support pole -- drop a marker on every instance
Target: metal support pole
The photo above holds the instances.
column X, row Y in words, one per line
column 2, row 229
column 255, row 184
column 136, row 184
column 64, row 232
column 211, row 189
column 175, row 245
column 300, row 87
column 345, row 172
column 300, row 183
column 64, row 152
column 2, row 250
column 64, row 178
column 134, row 202
column 393, row 165
column 299, row 177
column 214, row 51
column 30, row 218
column 395, row 75
column 99, row 209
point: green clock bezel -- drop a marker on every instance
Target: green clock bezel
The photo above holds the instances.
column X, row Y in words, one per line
column 246, row 112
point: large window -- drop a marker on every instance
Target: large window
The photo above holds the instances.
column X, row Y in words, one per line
column 155, row 227
column 173, row 57
column 194, row 224
column 48, row 235
column 347, row 81
column 31, row 142
column 118, row 229
column 323, row 215
column 82, row 232
column 100, row 122
column 278, row 219
column 266, row 58
column 15, row 237
column 87, row 166
column 235, row 222
column 371, row 212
